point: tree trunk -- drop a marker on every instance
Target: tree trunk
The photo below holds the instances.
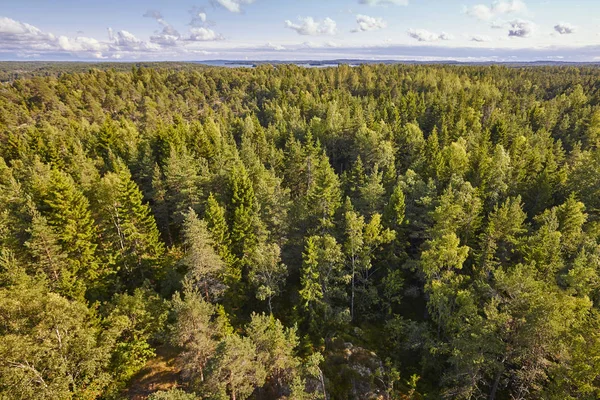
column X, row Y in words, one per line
column 323, row 385
column 352, row 296
column 496, row 384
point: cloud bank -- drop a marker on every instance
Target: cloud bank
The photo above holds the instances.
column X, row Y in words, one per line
column 423, row 35
column 366, row 23
column 310, row 27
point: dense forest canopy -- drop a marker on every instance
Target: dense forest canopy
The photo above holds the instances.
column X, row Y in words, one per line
column 384, row 231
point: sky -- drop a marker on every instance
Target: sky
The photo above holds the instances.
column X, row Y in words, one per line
column 199, row 30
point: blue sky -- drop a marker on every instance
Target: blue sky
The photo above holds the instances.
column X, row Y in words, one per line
column 463, row 30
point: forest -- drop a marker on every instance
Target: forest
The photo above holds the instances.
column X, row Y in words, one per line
column 386, row 232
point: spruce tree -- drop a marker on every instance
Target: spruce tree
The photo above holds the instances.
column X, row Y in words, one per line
column 141, row 249
column 242, row 213
column 67, row 212
column 323, row 197
column 217, row 225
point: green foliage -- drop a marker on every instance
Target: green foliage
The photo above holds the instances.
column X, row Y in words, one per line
column 138, row 318
column 268, row 273
column 171, row 203
column 173, row 394
column 205, row 267
column 51, row 347
column 324, row 195
column 138, row 249
column 323, row 282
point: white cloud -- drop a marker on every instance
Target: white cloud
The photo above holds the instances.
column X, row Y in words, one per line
column 124, row 38
column 481, row 11
column 497, row 8
column 80, row 43
column 24, row 39
column 165, row 39
column 126, row 41
column 168, row 36
column 313, row 45
column 564, row 28
column 199, row 16
column 366, row 23
column 203, row 34
column 14, row 33
column 232, row 5
column 273, row 46
column 521, row 28
column 508, row 7
column 480, row 38
column 308, row 26
column 384, row 2
column 423, row 35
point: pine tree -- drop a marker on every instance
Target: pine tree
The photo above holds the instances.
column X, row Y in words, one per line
column 196, row 332
column 275, row 347
column 50, row 259
column 362, row 241
column 502, row 237
column 236, row 371
column 205, row 267
column 311, row 291
column 161, row 208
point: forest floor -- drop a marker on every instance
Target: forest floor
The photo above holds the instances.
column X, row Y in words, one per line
column 159, row 373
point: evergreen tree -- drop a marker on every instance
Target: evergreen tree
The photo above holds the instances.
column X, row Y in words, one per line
column 68, row 213
column 183, row 174
column 372, row 193
column 137, row 248
column 196, row 333
column 323, row 197
column 217, row 225
column 236, row 370
column 324, row 282
column 205, row 267
column 50, row 259
column 242, row 214
column 395, row 209
column 275, row 347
